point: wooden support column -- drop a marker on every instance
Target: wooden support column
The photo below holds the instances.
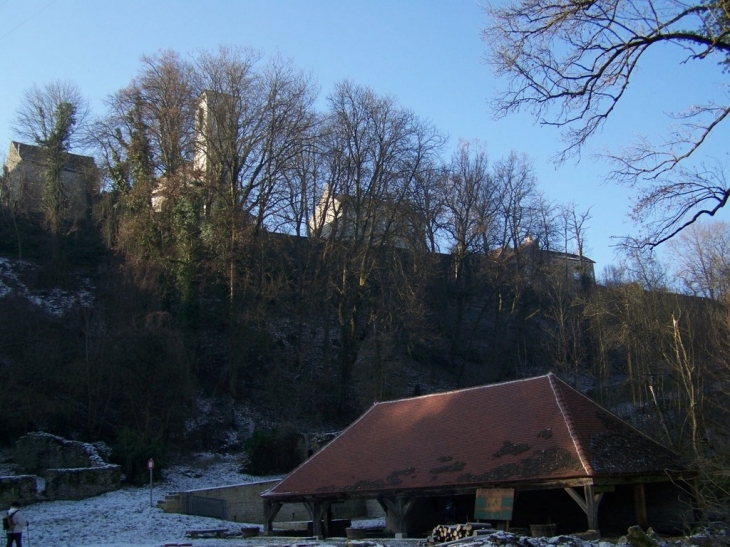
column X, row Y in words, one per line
column 317, row 510
column 328, row 520
column 640, row 505
column 588, row 503
column 271, row 509
column 399, row 508
column 592, row 502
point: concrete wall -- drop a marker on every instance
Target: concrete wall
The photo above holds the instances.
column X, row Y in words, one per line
column 246, row 505
column 373, row 509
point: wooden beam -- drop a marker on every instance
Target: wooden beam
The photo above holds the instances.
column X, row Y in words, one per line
column 578, row 499
column 600, row 484
column 645, row 479
column 382, row 504
column 445, row 491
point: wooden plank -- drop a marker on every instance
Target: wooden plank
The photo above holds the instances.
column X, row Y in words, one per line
column 208, row 532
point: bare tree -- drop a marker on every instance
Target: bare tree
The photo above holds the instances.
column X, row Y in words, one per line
column 470, row 197
column 163, row 91
column 563, row 291
column 157, row 108
column 570, row 63
column 302, row 184
column 53, row 117
column 251, row 125
column 519, row 204
column 701, row 259
column 429, row 205
column 375, row 156
column 55, row 113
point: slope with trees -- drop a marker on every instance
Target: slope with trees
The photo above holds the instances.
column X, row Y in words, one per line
column 418, row 272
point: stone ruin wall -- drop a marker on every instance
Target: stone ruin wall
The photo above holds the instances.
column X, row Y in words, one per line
column 81, row 483
column 20, row 488
column 70, row 470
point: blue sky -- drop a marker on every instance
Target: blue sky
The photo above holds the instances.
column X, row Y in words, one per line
column 426, row 53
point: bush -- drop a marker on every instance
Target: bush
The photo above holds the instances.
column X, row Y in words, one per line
column 133, row 450
column 273, row 451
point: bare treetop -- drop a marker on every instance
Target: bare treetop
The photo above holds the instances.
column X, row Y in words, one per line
column 570, row 62
column 57, row 107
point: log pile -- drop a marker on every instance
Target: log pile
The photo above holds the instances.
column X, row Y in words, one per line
column 444, row 533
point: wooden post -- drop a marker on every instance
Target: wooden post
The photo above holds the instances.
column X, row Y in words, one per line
column 399, row 508
column 328, row 520
column 642, row 518
column 317, row 510
column 271, row 509
column 592, row 501
column 588, row 503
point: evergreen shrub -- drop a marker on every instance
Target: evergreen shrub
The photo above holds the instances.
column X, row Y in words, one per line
column 132, row 451
column 272, row 451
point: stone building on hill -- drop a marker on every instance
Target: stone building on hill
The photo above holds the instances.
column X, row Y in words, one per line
column 369, row 220
column 534, row 262
column 24, row 180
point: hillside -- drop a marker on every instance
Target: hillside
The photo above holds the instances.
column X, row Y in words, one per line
column 54, row 321
column 125, row 348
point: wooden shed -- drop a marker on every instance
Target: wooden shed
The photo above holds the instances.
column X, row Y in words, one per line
column 565, row 459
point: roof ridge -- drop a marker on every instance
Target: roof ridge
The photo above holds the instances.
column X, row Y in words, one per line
column 624, row 421
column 462, row 390
column 552, row 379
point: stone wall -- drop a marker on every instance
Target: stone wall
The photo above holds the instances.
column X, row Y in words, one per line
column 81, row 483
column 72, row 470
column 23, row 187
column 37, row 452
column 21, row 488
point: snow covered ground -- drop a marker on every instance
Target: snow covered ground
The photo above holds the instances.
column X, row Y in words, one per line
column 125, row 518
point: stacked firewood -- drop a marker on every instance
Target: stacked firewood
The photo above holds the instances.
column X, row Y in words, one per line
column 444, row 533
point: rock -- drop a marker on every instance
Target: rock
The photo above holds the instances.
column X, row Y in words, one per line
column 638, row 538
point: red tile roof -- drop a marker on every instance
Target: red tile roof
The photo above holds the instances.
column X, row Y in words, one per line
column 533, row 430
